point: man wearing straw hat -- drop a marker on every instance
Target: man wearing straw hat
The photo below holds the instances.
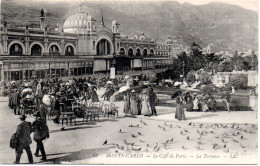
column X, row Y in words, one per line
column 23, row 132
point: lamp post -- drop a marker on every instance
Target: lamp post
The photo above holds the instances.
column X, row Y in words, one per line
column 183, row 64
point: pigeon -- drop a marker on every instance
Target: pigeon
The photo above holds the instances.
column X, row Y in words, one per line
column 198, row 148
column 156, row 149
column 120, row 131
column 159, row 126
column 139, row 133
column 242, row 146
column 224, row 146
column 171, row 126
column 242, row 137
column 128, row 143
column 146, row 150
column 188, row 138
column 216, row 136
column 186, row 130
column 120, row 147
column 189, row 123
column 164, row 145
column 141, row 141
column 165, row 123
column 148, row 145
column 164, row 129
column 234, row 140
column 171, row 140
column 223, row 140
column 178, row 126
column 215, row 146
column 133, row 136
column 183, row 147
column 145, row 123
column 116, row 151
column 200, row 143
column 212, row 132
column 198, row 132
column 226, row 150
column 105, row 143
column 138, row 149
column 134, row 125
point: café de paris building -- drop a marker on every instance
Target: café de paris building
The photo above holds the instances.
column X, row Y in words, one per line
column 80, row 48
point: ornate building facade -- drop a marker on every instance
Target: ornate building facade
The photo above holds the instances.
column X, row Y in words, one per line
column 80, row 48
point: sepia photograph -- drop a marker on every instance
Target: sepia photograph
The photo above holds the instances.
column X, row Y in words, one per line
column 129, row 82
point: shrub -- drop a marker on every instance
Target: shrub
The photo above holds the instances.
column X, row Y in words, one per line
column 190, row 77
column 209, row 89
column 239, row 81
column 205, row 78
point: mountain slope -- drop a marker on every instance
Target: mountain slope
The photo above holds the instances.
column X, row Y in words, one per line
column 224, row 26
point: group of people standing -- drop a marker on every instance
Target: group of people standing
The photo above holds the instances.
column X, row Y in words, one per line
column 23, row 138
column 143, row 104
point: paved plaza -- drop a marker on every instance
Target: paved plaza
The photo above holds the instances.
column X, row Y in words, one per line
column 156, row 139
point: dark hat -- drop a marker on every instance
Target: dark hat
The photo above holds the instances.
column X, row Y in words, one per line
column 22, row 116
column 37, row 114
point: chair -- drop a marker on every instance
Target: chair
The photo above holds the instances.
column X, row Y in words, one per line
column 114, row 109
column 107, row 110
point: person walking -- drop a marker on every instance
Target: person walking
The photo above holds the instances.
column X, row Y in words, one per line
column 153, row 100
column 146, row 109
column 41, row 132
column 133, row 103
column 16, row 102
column 23, row 132
column 180, row 108
column 226, row 100
column 127, row 102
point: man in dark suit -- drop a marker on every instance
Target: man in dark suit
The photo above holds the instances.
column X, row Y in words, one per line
column 23, row 132
column 153, row 100
column 16, row 101
column 41, row 132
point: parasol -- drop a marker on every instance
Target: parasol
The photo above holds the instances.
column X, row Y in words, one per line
column 124, row 88
column 109, row 82
column 127, row 77
column 46, row 99
column 27, row 90
column 177, row 83
column 12, row 82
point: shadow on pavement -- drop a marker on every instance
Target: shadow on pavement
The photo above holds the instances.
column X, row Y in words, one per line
column 201, row 116
column 72, row 128
column 77, row 155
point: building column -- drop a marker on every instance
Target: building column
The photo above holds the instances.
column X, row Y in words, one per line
column 27, row 46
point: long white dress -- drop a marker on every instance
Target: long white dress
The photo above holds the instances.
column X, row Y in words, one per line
column 146, row 109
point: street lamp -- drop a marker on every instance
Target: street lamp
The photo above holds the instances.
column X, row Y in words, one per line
column 183, row 64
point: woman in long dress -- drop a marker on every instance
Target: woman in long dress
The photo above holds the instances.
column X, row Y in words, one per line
column 127, row 103
column 146, row 110
column 195, row 103
column 180, row 109
column 94, row 96
column 133, row 103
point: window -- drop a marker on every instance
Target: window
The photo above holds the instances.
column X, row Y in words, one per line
column 93, row 45
column 117, row 45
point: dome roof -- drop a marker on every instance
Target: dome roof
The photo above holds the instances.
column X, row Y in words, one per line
column 77, row 20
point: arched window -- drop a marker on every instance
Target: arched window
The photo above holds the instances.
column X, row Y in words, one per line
column 36, row 50
column 130, row 52
column 16, row 50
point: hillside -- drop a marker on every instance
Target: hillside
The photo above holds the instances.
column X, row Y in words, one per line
column 224, row 26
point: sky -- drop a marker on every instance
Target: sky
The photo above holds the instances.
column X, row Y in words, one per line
column 247, row 4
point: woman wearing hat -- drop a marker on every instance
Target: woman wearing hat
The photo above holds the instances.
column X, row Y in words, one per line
column 146, row 110
column 180, row 108
column 133, row 103
column 127, row 103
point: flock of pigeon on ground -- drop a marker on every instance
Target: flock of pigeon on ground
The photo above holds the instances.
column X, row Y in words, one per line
column 187, row 136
